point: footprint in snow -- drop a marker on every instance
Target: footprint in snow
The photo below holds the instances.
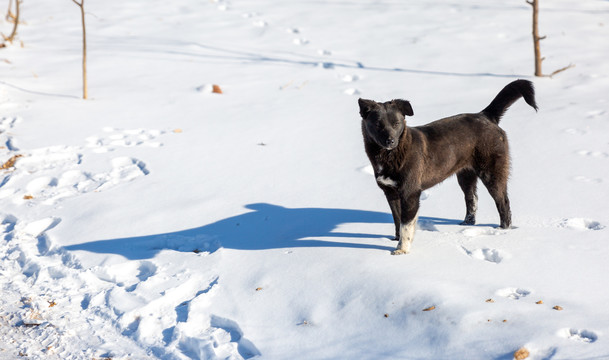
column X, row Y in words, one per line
column 300, row 41
column 224, row 339
column 47, row 158
column 7, row 225
column 594, row 154
column 513, row 293
column 595, row 113
column 124, row 169
column 37, row 228
column 574, row 131
column 7, row 123
column 49, row 190
column 477, row 231
column 580, row 224
column 146, row 270
column 222, row 5
column 490, row 255
column 352, row 91
column 244, row 348
column 124, row 138
column 582, row 335
column 260, row 23
column 349, row 78
column 588, row 180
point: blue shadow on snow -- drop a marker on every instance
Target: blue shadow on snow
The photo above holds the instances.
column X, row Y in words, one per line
column 268, row 226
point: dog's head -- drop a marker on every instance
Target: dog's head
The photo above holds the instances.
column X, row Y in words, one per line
column 384, row 122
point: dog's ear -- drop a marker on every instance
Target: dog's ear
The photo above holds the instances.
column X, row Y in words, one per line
column 403, row 106
column 365, row 107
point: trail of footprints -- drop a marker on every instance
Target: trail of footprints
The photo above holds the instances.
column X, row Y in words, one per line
column 29, row 177
column 298, row 38
column 496, row 256
column 135, row 291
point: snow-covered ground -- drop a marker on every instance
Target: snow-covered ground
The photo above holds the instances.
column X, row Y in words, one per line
column 160, row 220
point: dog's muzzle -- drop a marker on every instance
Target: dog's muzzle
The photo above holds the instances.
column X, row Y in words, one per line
column 391, row 144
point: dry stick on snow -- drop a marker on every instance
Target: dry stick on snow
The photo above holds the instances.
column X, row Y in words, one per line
column 15, row 19
column 81, row 4
column 9, row 14
column 560, row 70
column 537, row 39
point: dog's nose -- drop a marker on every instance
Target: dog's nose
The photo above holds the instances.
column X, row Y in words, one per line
column 390, row 142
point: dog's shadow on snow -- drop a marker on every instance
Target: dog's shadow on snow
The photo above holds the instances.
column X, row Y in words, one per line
column 267, row 226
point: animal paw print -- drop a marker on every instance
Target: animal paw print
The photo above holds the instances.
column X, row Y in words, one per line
column 513, row 293
column 580, row 224
column 47, row 158
column 7, row 123
column 588, row 180
column 585, row 336
column 594, row 154
column 124, row 138
column 486, row 254
column 594, row 114
column 477, row 231
column 49, row 190
column 350, row 78
column 6, row 141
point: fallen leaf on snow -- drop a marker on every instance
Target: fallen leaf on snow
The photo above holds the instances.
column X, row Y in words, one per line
column 10, row 162
column 430, row 308
column 521, row 354
column 539, row 302
column 559, row 308
column 489, row 300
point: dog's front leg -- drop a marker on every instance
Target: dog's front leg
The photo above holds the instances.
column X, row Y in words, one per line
column 393, row 198
column 408, row 221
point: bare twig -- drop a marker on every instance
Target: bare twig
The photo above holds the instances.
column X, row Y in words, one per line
column 81, row 4
column 9, row 14
column 15, row 19
column 561, row 70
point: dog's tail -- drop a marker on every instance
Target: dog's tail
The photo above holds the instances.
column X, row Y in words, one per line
column 506, row 97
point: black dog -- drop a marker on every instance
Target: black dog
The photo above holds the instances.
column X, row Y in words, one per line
column 408, row 160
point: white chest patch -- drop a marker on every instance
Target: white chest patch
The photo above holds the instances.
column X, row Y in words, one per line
column 386, row 181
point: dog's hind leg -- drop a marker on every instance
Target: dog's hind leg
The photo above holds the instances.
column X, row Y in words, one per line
column 498, row 190
column 468, row 180
column 393, row 198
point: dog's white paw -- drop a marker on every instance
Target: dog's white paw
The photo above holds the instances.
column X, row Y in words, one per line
column 399, row 252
